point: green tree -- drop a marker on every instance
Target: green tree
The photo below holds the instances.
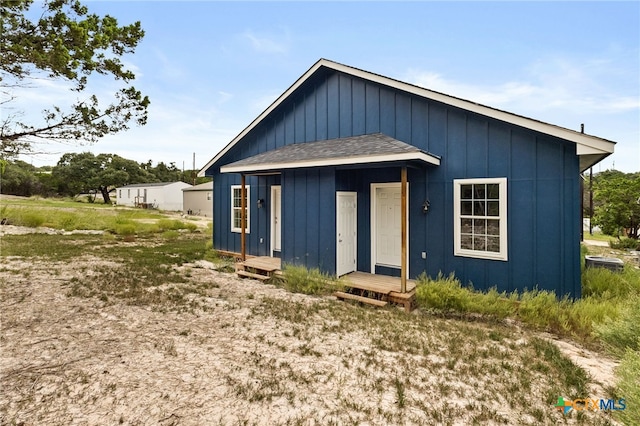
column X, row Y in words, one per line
column 166, row 173
column 64, row 42
column 86, row 172
column 617, row 202
column 18, row 178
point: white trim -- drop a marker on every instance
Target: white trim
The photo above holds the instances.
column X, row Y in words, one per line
column 338, row 161
column 581, row 139
column 273, row 206
column 375, row 186
column 457, row 250
column 355, row 237
column 248, row 204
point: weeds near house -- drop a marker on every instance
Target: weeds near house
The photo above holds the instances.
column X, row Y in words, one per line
column 629, row 386
column 622, row 333
column 625, row 244
column 298, row 279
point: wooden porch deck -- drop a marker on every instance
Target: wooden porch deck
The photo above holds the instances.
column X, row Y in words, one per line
column 261, row 267
column 377, row 290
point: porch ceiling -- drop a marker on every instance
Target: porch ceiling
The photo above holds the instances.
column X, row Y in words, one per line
column 364, row 149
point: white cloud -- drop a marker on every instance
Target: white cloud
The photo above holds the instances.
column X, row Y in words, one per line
column 269, row 43
column 169, row 69
column 565, row 89
column 564, row 93
column 224, row 97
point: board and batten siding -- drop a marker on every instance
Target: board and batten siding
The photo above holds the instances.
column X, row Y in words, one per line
column 542, row 179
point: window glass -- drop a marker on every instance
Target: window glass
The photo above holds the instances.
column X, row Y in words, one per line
column 236, row 208
column 480, row 220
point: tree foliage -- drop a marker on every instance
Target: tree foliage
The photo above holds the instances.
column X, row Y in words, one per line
column 617, row 202
column 65, row 43
column 86, row 172
column 78, row 173
column 20, row 178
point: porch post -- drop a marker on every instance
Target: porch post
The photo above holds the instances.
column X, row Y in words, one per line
column 243, row 218
column 403, row 230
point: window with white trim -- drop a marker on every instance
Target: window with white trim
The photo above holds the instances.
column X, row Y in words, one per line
column 236, row 208
column 480, row 218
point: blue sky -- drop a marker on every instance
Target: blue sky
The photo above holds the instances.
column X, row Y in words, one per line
column 210, row 67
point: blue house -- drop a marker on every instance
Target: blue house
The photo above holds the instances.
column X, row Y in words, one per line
column 352, row 171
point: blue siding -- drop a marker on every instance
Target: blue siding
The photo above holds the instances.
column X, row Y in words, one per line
column 542, row 183
column 304, row 194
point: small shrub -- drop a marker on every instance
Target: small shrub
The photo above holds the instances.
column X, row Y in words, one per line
column 625, row 244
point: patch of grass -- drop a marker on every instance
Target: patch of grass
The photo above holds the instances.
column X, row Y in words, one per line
column 175, row 225
column 54, row 247
column 298, row 279
column 447, row 294
column 125, row 229
column 625, row 243
column 170, row 235
column 31, row 219
column 573, row 379
column 622, row 333
column 629, row 387
column 605, row 284
column 539, row 309
column 70, row 215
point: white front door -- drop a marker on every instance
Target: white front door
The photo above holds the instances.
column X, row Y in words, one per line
column 276, row 222
column 386, row 238
column 346, row 232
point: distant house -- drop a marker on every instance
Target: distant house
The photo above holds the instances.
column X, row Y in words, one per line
column 161, row 195
column 198, row 200
column 353, row 171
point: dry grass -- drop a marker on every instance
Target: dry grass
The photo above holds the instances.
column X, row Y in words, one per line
column 133, row 333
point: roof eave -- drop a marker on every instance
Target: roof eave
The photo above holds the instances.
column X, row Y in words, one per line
column 331, row 162
column 580, row 139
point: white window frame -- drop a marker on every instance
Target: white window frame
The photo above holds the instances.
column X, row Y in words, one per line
column 502, row 217
column 234, row 209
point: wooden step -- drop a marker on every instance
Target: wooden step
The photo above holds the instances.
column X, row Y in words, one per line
column 252, row 275
column 341, row 295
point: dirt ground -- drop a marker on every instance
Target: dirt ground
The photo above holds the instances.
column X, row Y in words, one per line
column 83, row 361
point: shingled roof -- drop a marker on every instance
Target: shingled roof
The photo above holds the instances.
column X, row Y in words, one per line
column 363, row 149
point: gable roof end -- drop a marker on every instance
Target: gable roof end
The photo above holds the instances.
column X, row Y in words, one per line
column 591, row 149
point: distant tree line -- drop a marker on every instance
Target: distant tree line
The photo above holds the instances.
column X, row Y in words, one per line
column 616, row 202
column 86, row 173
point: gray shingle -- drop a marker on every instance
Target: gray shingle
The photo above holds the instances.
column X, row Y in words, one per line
column 355, row 146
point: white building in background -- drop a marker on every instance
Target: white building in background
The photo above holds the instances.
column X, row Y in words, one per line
column 198, row 200
column 160, row 195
